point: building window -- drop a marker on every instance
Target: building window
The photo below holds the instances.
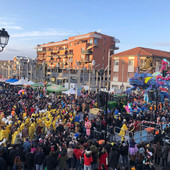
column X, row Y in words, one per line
column 131, row 66
column 87, row 58
column 116, row 62
column 70, row 44
column 95, row 41
column 82, row 49
column 104, row 50
column 142, row 63
column 115, row 76
column 129, row 76
column 91, row 41
column 114, row 87
column 116, row 65
column 157, row 66
column 131, row 63
column 82, row 57
column 103, row 58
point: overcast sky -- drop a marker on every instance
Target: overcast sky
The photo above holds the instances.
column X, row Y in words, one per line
column 135, row 23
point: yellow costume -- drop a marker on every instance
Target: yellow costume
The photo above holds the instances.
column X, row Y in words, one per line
column 123, row 131
column 14, row 136
column 32, row 130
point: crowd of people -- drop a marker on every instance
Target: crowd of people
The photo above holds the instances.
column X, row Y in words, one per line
column 47, row 131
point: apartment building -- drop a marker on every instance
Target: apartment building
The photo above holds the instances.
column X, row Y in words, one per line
column 126, row 63
column 24, row 67
column 6, row 68
column 77, row 52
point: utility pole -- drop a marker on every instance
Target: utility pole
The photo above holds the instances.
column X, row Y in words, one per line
column 108, row 70
column 106, row 100
column 89, row 80
column 97, row 80
column 31, row 71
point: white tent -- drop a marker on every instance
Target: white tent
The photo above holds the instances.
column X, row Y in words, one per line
column 22, row 81
column 30, row 83
column 71, row 91
column 19, row 82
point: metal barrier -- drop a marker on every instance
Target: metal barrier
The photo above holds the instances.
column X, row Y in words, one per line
column 127, row 136
column 138, row 136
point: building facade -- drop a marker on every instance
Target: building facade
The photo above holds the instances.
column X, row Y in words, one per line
column 76, row 52
column 24, row 67
column 126, row 63
column 6, row 68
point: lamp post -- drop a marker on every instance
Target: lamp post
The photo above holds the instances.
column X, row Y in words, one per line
column 69, row 74
column 97, row 73
column 92, row 64
column 122, row 86
column 4, row 37
column 108, row 69
column 51, row 68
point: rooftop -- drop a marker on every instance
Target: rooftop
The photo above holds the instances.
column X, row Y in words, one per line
column 141, row 51
column 73, row 38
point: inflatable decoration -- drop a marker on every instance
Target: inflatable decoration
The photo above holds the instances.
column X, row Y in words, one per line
column 148, row 82
column 88, row 126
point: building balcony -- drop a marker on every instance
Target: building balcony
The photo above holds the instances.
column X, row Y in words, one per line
column 88, row 52
column 70, row 54
column 39, row 61
column 114, row 47
column 90, row 46
column 85, row 61
column 41, row 52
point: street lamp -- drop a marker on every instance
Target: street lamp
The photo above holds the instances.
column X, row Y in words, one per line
column 108, row 69
column 92, row 64
column 4, row 37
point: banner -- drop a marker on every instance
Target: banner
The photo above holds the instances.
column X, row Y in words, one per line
column 94, row 111
column 78, row 90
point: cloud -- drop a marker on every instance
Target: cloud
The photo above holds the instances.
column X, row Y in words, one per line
column 9, row 25
column 49, row 32
column 162, row 44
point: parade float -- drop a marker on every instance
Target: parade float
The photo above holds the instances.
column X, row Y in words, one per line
column 158, row 83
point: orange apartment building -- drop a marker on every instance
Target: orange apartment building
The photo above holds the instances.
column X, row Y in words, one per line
column 125, row 64
column 77, row 51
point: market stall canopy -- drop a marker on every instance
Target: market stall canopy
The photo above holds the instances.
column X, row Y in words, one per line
column 20, row 82
column 71, row 91
column 56, row 88
column 3, row 79
column 31, row 83
column 50, row 84
column 38, row 84
column 11, row 80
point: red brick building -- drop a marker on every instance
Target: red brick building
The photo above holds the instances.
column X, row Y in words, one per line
column 81, row 48
column 125, row 64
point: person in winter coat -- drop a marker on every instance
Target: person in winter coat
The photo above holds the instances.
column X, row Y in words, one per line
column 103, row 159
column 51, row 160
column 17, row 140
column 26, row 145
column 87, row 159
column 132, row 151
column 113, row 158
column 70, row 156
column 62, row 160
column 78, row 154
column 39, row 159
column 29, row 160
column 95, row 155
column 2, row 162
column 165, row 152
column 124, row 153
column 17, row 164
column 158, row 153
